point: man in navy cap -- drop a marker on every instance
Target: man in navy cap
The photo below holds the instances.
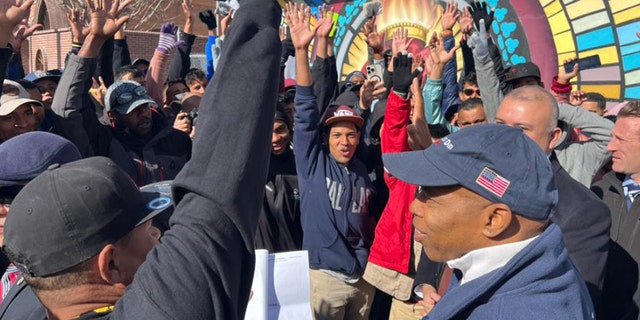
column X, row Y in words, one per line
column 483, row 206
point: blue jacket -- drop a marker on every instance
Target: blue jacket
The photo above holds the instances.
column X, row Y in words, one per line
column 540, row 282
column 338, row 230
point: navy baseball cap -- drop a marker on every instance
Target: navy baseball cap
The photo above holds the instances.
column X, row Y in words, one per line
column 67, row 214
column 53, row 75
column 125, row 96
column 27, row 155
column 497, row 162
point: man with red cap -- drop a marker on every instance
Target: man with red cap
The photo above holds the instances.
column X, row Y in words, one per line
column 335, row 191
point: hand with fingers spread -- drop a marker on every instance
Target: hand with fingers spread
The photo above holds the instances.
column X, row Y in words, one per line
column 439, row 55
column 479, row 11
column 12, row 13
column 325, row 21
column 207, row 17
column 371, row 35
column 478, row 41
column 21, row 32
column 298, row 19
column 401, row 41
column 402, row 76
column 563, row 76
column 450, row 16
column 466, row 22
column 77, row 21
column 168, row 40
column 105, row 17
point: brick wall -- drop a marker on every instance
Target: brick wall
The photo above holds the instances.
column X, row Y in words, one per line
column 55, row 43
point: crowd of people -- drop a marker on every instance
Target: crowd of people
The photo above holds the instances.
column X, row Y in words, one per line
column 423, row 193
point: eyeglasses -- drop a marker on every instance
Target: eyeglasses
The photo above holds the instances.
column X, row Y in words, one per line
column 128, row 96
column 469, row 92
column 7, row 194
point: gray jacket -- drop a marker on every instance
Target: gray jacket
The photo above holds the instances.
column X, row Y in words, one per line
column 580, row 159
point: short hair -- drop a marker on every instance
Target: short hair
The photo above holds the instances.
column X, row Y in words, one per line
column 125, row 70
column 596, row 97
column 539, row 95
column 632, row 109
column 195, row 74
column 471, row 104
column 169, row 83
column 287, row 97
column 438, row 131
column 471, row 78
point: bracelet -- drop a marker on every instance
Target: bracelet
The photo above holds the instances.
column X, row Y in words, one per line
column 76, row 45
column 446, row 33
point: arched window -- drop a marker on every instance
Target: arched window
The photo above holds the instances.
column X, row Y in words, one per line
column 41, row 60
column 43, row 17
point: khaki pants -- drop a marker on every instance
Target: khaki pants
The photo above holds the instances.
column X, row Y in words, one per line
column 332, row 298
column 401, row 310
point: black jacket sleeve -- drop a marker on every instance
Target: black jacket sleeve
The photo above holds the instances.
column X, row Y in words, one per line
column 325, row 80
column 121, row 55
column 181, row 61
column 203, row 268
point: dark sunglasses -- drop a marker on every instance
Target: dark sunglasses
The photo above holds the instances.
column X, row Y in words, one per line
column 468, row 92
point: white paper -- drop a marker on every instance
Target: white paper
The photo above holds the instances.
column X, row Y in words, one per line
column 281, row 289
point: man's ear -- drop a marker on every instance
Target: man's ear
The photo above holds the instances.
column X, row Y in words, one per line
column 498, row 219
column 556, row 134
column 108, row 266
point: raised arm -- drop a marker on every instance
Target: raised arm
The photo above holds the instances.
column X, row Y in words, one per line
column 323, row 71
column 181, row 62
column 210, row 243
column 432, row 92
column 159, row 67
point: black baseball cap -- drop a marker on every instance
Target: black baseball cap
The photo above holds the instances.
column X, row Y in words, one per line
column 522, row 70
column 66, row 215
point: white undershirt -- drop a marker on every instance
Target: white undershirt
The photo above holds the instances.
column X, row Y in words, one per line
column 479, row 262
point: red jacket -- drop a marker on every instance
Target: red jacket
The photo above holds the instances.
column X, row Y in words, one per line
column 392, row 243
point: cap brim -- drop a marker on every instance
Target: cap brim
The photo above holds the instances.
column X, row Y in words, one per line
column 416, row 168
column 12, row 105
column 358, row 121
column 52, row 78
column 136, row 104
column 157, row 198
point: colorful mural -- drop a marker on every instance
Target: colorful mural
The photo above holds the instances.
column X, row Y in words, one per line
column 543, row 31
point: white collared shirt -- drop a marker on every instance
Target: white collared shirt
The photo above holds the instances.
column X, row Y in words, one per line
column 479, row 262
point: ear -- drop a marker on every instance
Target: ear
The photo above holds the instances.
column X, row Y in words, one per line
column 556, row 134
column 498, row 219
column 108, row 265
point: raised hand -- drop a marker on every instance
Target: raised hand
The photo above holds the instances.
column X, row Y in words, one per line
column 401, row 41
column 12, row 13
column 207, row 17
column 479, row 12
column 167, row 41
column 478, row 41
column 105, row 17
column 371, row 35
column 450, row 16
column 225, row 22
column 20, row 33
column 466, row 22
column 189, row 13
column 298, row 19
column 77, row 22
column 563, row 76
column 98, row 90
column 577, row 98
column 325, row 21
column 439, row 55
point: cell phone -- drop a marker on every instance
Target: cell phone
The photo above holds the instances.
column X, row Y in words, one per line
column 590, row 62
column 223, row 9
column 375, row 71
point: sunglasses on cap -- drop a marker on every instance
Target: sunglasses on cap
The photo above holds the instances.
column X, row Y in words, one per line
column 128, row 96
column 7, row 194
column 469, row 92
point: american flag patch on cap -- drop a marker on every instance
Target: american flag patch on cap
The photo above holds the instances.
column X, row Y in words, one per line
column 493, row 182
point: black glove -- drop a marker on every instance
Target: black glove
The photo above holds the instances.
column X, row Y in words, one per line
column 207, row 17
column 478, row 11
column 402, row 76
column 288, row 50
